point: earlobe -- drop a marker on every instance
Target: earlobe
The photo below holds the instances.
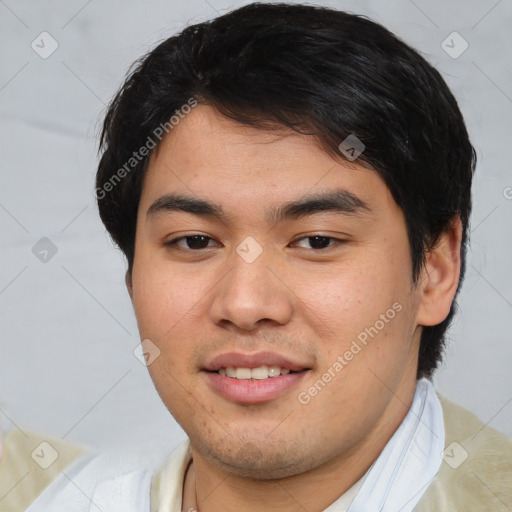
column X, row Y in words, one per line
column 439, row 278
column 128, row 281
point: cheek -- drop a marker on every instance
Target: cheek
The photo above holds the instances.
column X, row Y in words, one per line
column 369, row 304
column 163, row 297
column 351, row 297
column 170, row 307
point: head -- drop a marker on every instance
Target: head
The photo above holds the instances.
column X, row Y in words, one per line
column 234, row 132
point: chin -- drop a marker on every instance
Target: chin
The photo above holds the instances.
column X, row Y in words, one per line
column 258, row 461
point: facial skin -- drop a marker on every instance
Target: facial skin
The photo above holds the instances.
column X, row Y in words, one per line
column 304, row 303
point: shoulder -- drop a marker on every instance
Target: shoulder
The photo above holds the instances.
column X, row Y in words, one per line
column 31, row 461
column 477, row 466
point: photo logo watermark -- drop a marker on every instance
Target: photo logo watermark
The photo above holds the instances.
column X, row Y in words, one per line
column 249, row 249
column 44, row 455
column 44, row 45
column 352, row 147
column 454, row 45
column 44, row 250
column 455, row 455
column 151, row 142
column 361, row 341
column 146, row 352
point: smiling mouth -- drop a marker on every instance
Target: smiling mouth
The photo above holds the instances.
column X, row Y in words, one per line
column 259, row 373
column 256, row 383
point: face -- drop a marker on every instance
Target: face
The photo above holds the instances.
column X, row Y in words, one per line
column 287, row 336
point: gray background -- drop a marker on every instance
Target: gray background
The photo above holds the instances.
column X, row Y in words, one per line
column 67, row 329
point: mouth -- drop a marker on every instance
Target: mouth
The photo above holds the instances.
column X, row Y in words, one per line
column 253, row 378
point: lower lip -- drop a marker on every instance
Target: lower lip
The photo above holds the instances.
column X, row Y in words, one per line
column 253, row 391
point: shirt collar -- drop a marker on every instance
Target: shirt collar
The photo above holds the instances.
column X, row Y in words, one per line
column 409, row 461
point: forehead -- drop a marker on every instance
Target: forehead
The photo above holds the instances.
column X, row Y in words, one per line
column 206, row 138
column 210, row 156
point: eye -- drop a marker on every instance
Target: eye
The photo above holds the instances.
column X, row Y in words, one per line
column 192, row 242
column 320, row 242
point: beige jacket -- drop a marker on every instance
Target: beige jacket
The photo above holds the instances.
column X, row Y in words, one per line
column 476, row 474
column 30, row 462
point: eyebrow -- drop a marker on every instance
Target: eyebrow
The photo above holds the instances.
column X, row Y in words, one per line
column 339, row 201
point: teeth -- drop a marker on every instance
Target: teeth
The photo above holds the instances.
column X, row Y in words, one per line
column 260, row 373
column 274, row 371
column 243, row 373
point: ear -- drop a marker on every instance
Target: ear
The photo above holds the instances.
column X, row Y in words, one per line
column 128, row 281
column 439, row 278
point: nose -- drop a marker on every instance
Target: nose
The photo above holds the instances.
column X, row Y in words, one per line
column 251, row 295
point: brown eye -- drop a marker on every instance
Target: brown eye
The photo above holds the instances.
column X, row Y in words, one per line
column 319, row 242
column 192, row 242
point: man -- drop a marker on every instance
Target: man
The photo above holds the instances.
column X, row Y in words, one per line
column 291, row 187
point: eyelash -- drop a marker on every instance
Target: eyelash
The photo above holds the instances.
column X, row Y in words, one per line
column 174, row 242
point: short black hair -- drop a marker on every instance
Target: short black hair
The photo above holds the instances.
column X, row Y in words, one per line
column 318, row 71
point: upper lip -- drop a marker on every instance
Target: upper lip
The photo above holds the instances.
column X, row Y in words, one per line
column 254, row 360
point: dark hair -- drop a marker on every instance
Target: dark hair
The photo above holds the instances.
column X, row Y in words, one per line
column 317, row 71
